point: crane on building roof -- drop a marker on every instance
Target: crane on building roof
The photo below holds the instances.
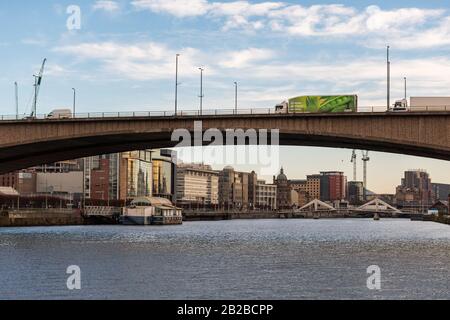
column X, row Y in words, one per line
column 354, row 160
column 365, row 159
column 37, row 86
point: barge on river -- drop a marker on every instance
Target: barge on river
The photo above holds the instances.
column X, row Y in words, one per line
column 152, row 211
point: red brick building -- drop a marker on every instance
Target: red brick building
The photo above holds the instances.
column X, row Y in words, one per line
column 100, row 180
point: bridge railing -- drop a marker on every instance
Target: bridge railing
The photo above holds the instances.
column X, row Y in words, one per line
column 198, row 113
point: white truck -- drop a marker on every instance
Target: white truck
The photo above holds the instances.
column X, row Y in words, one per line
column 60, row 114
column 430, row 103
column 423, row 104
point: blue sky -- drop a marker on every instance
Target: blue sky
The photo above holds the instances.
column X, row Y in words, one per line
column 123, row 56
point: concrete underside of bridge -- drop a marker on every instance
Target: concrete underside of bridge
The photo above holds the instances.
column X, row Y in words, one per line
column 28, row 143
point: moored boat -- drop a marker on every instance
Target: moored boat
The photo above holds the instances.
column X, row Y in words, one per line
column 152, row 211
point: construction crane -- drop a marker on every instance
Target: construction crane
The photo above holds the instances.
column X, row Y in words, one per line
column 365, row 159
column 37, row 86
column 354, row 164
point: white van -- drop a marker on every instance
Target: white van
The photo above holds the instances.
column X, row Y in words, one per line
column 60, row 114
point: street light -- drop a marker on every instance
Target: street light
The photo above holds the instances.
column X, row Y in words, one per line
column 405, row 87
column 201, row 90
column 16, row 86
column 236, row 96
column 74, row 101
column 388, row 79
column 176, row 84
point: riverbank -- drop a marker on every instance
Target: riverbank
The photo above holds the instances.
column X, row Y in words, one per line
column 440, row 219
column 69, row 217
column 217, row 215
column 47, row 218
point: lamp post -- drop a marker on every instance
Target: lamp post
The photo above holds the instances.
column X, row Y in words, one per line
column 388, row 79
column 16, row 86
column 201, row 90
column 74, row 101
column 236, row 97
column 405, row 87
column 176, row 84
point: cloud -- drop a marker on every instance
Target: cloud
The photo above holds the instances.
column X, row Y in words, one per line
column 106, row 5
column 244, row 58
column 178, row 8
column 267, row 75
column 414, row 27
column 36, row 41
column 137, row 61
column 151, row 60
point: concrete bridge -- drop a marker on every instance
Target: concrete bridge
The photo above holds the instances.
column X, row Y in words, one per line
column 26, row 143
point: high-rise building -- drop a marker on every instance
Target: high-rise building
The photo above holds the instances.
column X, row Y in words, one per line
column 164, row 174
column 136, row 169
column 415, row 190
column 355, row 192
column 333, row 186
column 197, row 186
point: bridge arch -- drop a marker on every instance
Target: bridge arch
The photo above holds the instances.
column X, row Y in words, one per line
column 28, row 143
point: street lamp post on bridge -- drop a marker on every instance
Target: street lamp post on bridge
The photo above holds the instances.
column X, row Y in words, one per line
column 74, row 101
column 201, row 90
column 236, row 96
column 176, row 84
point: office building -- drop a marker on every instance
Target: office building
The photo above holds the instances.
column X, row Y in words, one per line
column 333, row 186
column 233, row 189
column 197, row 186
column 266, row 196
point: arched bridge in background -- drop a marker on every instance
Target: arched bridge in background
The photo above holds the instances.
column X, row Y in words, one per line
column 26, row 143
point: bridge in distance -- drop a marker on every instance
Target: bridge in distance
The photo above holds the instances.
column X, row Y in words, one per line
column 28, row 142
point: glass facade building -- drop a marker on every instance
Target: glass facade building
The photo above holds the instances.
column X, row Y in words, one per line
column 164, row 174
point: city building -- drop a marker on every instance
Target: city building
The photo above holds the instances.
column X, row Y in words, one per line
column 415, row 190
column 164, row 173
column 266, row 196
column 197, row 186
column 136, row 174
column 60, row 183
column 23, row 181
column 252, row 189
column 101, row 177
column 128, row 175
column 355, row 192
column 284, row 191
column 61, row 167
column 233, row 189
column 237, row 190
column 333, row 186
column 313, row 186
column 301, row 194
column 440, row 191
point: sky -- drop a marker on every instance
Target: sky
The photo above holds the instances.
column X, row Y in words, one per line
column 121, row 57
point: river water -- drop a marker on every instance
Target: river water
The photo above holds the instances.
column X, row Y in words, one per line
column 240, row 259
